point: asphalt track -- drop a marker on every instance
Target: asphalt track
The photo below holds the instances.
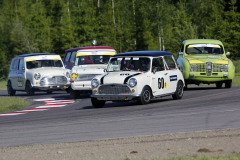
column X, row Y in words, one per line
column 202, row 108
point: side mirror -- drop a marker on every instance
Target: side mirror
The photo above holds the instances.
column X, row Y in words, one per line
column 154, row 70
column 228, row 53
column 180, row 53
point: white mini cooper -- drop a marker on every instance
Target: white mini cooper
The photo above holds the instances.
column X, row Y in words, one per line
column 37, row 71
column 141, row 76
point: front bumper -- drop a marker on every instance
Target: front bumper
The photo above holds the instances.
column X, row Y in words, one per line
column 115, row 97
column 81, row 85
column 51, row 87
column 214, row 77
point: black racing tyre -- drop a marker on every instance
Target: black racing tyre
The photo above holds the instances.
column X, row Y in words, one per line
column 145, row 96
column 28, row 88
column 228, row 84
column 74, row 94
column 186, row 86
column 179, row 91
column 11, row 91
column 219, row 85
column 68, row 90
column 97, row 103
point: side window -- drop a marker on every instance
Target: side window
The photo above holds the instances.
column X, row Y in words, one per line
column 181, row 48
column 170, row 62
column 14, row 64
column 73, row 56
column 67, row 57
column 21, row 65
column 158, row 64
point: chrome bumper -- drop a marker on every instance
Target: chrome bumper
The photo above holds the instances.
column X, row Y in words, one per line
column 52, row 87
column 115, row 97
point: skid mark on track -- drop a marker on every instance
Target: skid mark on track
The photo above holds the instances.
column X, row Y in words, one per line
column 50, row 104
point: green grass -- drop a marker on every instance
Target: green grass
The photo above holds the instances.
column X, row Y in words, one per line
column 237, row 65
column 3, row 84
column 236, row 80
column 12, row 103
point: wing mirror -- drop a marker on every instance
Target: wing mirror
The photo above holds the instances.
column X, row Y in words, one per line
column 180, row 53
column 154, row 70
column 228, row 53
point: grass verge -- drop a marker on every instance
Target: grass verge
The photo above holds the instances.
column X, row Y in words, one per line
column 11, row 104
column 236, row 80
column 3, row 85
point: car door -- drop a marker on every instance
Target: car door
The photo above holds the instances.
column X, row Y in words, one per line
column 14, row 73
column 160, row 78
column 180, row 57
column 21, row 75
column 66, row 61
column 171, row 68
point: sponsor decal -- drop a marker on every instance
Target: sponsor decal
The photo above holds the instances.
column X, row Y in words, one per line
column 173, row 78
column 49, row 57
column 74, row 76
column 92, row 53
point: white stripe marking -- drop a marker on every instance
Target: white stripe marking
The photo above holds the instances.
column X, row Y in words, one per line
column 50, row 104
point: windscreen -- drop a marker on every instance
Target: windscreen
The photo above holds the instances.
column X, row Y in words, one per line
column 92, row 59
column 141, row 64
column 44, row 63
column 204, row 49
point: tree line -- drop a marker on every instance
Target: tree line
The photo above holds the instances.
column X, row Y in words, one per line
column 34, row 26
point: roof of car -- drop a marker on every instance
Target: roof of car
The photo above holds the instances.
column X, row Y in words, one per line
column 35, row 54
column 145, row 53
column 194, row 41
column 89, row 47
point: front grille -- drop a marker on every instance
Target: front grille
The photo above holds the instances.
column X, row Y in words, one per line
column 209, row 67
column 56, row 80
column 114, row 89
column 86, row 77
column 218, row 67
column 201, row 67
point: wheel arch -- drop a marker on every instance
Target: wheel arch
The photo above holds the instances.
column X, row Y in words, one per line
column 147, row 86
column 181, row 82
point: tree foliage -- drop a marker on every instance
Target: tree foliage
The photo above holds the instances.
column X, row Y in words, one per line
column 28, row 26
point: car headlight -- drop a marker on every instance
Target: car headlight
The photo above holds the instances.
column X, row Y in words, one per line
column 68, row 74
column 132, row 82
column 37, row 76
column 95, row 83
column 194, row 68
column 224, row 67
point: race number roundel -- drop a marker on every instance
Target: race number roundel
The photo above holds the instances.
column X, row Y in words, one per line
column 165, row 85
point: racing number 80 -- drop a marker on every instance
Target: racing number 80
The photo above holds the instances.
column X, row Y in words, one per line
column 160, row 83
